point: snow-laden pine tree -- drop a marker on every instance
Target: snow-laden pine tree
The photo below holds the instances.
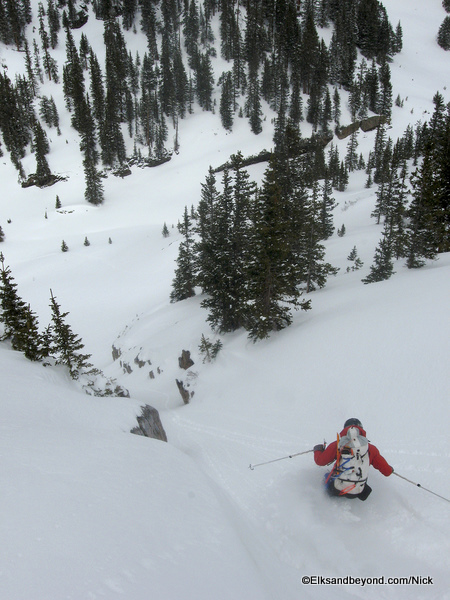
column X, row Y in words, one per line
column 315, row 270
column 65, row 346
column 184, row 281
column 382, row 267
column 20, row 324
column 429, row 211
column 217, row 273
column 273, row 276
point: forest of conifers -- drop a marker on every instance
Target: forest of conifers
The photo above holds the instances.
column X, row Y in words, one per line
column 252, row 249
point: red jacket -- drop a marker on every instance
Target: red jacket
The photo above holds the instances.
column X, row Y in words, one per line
column 329, row 455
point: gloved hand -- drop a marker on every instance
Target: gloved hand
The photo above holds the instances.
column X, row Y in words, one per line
column 319, row 448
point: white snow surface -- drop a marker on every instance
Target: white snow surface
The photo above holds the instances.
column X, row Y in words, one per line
column 89, row 511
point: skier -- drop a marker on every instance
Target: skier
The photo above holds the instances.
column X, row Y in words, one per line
column 352, row 454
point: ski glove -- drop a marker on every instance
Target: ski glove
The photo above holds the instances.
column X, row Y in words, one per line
column 319, row 448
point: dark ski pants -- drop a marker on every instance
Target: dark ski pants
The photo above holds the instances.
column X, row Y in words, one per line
column 332, row 491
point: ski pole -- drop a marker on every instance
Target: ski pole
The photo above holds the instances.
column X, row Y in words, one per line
column 421, row 486
column 277, row 459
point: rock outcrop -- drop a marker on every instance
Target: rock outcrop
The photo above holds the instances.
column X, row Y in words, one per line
column 149, row 424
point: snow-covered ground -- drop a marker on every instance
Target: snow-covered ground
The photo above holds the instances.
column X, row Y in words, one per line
column 89, row 511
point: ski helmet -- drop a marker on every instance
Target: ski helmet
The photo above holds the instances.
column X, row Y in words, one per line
column 352, row 422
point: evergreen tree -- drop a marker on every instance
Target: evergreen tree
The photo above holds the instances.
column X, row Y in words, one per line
column 181, row 84
column 315, row 269
column 327, row 111
column 309, row 49
column 342, row 177
column 32, row 343
column 314, row 106
column 396, row 214
column 49, row 112
column 73, row 82
column 37, row 62
column 351, row 159
column 354, row 258
column 372, row 86
column 385, row 100
column 208, row 349
column 184, row 281
column 191, row 28
column 341, row 232
column 253, row 104
column 29, row 68
column 116, row 67
column 167, row 90
column 226, row 278
column 208, row 233
column 226, row 101
column 343, row 52
column 273, row 276
column 429, row 212
column 50, row 65
column 228, row 30
column 336, row 107
column 94, row 192
column 84, row 51
column 14, row 15
column 41, row 148
column 94, row 188
column 380, row 205
column 326, row 209
column 97, row 89
column 20, row 324
column 215, row 253
column 206, row 33
column 204, row 80
column 397, row 41
column 149, row 24
column 65, row 345
column 296, row 104
column 443, row 36
column 422, row 242
column 15, row 128
column 53, row 23
column 382, row 267
column 111, row 137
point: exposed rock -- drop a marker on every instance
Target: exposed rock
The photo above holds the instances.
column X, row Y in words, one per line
column 126, row 367
column 116, row 352
column 42, row 182
column 368, row 124
column 121, row 392
column 123, row 171
column 372, row 122
column 304, row 146
column 149, row 424
column 346, row 130
column 185, row 361
column 141, row 363
column 183, row 391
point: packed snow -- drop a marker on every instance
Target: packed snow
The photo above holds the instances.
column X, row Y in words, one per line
column 89, row 511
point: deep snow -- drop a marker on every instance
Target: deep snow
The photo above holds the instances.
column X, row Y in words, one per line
column 89, row 511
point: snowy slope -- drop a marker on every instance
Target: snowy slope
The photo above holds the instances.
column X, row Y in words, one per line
column 89, row 511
